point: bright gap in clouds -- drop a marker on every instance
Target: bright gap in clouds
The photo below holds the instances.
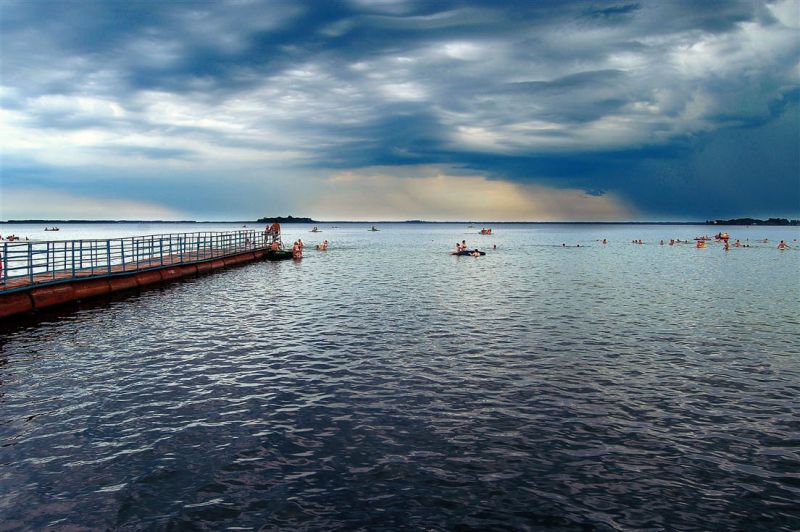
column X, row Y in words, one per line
column 430, row 194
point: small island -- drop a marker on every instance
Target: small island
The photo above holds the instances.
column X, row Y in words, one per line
column 754, row 221
column 285, row 220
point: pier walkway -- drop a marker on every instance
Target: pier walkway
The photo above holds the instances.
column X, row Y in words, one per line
column 37, row 274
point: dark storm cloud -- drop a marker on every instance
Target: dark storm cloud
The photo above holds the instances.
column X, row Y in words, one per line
column 625, row 97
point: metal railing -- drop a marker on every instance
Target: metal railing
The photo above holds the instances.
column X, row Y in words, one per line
column 36, row 262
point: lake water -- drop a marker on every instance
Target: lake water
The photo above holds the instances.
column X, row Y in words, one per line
column 386, row 384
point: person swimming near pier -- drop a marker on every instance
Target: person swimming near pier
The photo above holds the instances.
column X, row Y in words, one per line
column 323, row 246
column 782, row 245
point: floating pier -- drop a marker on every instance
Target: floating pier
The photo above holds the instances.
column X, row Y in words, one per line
column 42, row 274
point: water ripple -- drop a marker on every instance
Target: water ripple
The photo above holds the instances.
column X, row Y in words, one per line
column 365, row 388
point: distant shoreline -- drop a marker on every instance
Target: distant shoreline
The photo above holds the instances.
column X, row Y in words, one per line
column 738, row 221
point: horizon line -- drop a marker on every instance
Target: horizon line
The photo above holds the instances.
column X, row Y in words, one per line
column 562, row 222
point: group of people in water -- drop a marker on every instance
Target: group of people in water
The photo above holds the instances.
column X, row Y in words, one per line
column 298, row 246
column 702, row 242
column 274, row 231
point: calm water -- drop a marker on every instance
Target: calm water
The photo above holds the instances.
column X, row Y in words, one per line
column 386, row 384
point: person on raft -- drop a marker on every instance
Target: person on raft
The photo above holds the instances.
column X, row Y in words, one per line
column 475, row 253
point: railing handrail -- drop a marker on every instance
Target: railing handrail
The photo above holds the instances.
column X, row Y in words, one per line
column 134, row 236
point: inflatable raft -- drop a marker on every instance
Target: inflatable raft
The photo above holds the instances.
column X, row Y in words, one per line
column 467, row 253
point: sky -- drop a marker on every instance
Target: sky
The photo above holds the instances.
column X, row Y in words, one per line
column 400, row 109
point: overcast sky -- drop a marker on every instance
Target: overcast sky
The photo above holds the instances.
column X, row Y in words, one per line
column 394, row 109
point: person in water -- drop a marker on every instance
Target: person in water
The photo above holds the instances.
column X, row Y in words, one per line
column 463, row 245
column 476, row 253
column 605, row 241
column 297, row 251
column 782, row 245
column 323, row 246
column 275, row 245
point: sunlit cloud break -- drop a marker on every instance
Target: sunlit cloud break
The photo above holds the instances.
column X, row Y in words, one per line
column 235, row 110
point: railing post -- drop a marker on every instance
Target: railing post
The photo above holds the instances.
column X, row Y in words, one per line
column 122, row 254
column 108, row 255
column 73, row 258
column 161, row 249
column 4, row 258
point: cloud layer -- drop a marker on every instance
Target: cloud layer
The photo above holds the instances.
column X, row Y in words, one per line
column 237, row 109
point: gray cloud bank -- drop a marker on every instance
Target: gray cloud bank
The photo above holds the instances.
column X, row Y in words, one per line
column 684, row 109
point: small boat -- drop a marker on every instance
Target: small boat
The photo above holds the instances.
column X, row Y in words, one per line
column 280, row 254
column 49, row 229
column 373, row 228
column 486, row 231
column 316, row 230
column 466, row 253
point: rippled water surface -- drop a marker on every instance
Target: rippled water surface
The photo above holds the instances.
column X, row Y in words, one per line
column 387, row 384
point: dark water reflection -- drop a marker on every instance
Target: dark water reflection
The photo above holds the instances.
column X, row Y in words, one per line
column 385, row 384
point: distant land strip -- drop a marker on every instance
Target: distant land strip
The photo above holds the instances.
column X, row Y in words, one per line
column 754, row 221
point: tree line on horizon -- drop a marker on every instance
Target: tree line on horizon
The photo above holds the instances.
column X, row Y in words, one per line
column 754, row 221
